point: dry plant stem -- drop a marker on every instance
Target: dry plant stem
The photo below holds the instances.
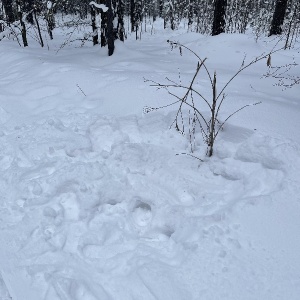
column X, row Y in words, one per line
column 68, row 40
column 232, row 114
column 81, row 89
column 188, row 154
column 207, row 126
column 213, row 118
column 281, row 73
column 181, row 100
column 199, row 58
column 13, row 32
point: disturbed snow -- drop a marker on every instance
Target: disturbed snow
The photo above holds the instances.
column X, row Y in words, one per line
column 95, row 203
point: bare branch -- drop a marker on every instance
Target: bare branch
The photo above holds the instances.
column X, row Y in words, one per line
column 223, row 123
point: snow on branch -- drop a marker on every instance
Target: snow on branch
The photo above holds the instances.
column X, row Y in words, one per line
column 49, row 4
column 100, row 6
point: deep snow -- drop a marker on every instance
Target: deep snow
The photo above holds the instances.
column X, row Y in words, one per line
column 95, row 203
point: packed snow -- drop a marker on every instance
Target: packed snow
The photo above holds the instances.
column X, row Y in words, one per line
column 99, row 6
column 99, row 203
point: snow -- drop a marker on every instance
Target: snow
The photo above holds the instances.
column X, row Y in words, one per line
column 95, row 202
column 49, row 4
column 99, row 6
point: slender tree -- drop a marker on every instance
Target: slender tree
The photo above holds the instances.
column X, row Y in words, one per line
column 110, row 30
column 23, row 30
column 132, row 15
column 94, row 26
column 9, row 12
column 219, row 17
column 120, row 19
column 37, row 25
column 293, row 25
column 278, row 17
column 104, row 22
column 191, row 12
column 50, row 17
column 138, row 16
column 161, row 8
column 170, row 13
column 28, row 8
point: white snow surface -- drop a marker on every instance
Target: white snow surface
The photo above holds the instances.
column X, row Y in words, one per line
column 100, row 6
column 96, row 205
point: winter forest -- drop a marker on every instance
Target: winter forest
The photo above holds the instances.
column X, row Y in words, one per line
column 205, row 17
column 149, row 150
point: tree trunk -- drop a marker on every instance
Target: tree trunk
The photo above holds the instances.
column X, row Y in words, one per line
column 219, row 17
column 38, row 27
column 110, row 29
column 172, row 18
column 161, row 8
column 51, row 19
column 20, row 15
column 190, row 13
column 103, row 37
column 7, row 4
column 278, row 17
column 120, row 15
column 212, row 134
column 94, row 27
column 29, row 10
column 292, row 27
column 132, row 15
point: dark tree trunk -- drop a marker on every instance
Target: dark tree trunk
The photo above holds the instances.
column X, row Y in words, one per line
column 29, row 18
column 120, row 14
column 29, row 6
column 38, row 27
column 23, row 30
column 278, row 17
column 110, row 29
column 219, row 17
column 161, row 8
column 292, row 26
column 7, row 4
column 94, row 27
column 171, row 15
column 191, row 12
column 50, row 28
column 51, row 20
column 51, row 25
column 103, row 25
column 132, row 15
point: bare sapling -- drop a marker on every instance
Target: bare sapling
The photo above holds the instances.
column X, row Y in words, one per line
column 192, row 98
column 283, row 75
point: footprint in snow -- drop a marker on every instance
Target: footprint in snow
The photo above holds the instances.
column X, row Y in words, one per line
column 142, row 214
column 70, row 205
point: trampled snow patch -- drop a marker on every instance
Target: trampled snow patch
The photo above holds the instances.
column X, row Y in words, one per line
column 99, row 201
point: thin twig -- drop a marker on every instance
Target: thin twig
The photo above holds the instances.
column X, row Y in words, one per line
column 81, row 90
column 188, row 154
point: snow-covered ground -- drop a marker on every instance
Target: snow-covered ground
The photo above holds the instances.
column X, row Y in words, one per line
column 94, row 202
